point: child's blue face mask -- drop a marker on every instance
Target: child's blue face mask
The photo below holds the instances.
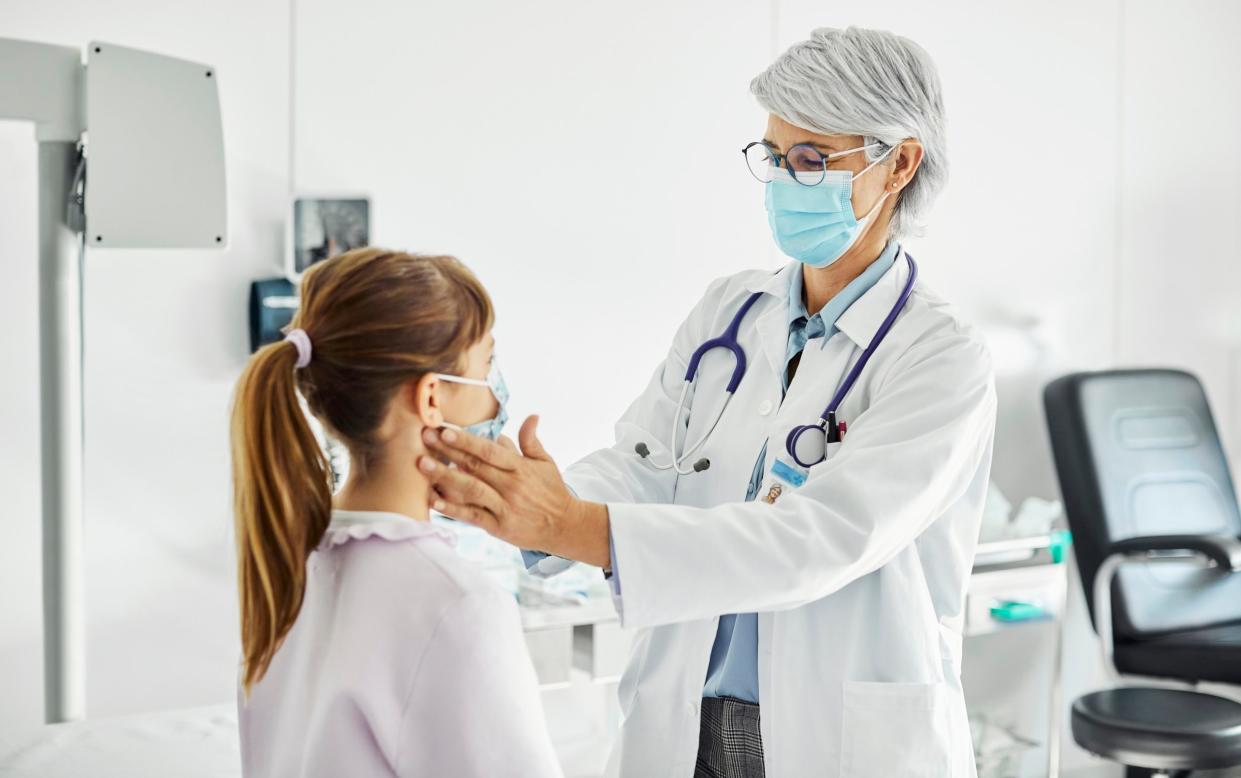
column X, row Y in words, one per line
column 816, row 224
column 489, row 428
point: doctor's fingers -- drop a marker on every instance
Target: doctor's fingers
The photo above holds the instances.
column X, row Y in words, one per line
column 487, row 451
column 452, row 494
column 468, row 514
column 471, row 465
column 460, row 487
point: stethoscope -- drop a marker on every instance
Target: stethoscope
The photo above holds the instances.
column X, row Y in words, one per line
column 806, row 443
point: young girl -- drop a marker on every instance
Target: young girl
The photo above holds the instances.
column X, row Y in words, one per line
column 369, row 648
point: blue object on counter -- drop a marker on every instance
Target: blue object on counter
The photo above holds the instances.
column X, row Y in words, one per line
column 1061, row 541
column 1018, row 610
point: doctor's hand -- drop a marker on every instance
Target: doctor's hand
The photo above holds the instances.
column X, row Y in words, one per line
column 517, row 496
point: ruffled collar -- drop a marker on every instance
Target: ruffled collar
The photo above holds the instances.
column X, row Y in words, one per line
column 360, row 525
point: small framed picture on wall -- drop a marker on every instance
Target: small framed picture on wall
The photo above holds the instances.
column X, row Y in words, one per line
column 323, row 226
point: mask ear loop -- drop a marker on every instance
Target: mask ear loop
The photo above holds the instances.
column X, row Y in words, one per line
column 866, row 219
column 874, row 209
column 456, row 379
column 878, row 159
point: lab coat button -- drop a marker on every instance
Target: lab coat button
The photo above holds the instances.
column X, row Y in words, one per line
column 764, row 408
column 693, row 709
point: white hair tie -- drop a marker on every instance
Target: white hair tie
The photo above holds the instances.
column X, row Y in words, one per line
column 302, row 341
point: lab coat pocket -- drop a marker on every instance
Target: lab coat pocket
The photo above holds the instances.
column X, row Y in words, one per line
column 895, row 729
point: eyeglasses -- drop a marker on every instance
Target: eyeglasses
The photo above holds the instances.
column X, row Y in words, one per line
column 807, row 164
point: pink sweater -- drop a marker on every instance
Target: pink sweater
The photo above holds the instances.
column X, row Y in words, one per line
column 404, row 661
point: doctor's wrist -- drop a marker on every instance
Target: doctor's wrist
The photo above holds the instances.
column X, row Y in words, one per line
column 583, row 533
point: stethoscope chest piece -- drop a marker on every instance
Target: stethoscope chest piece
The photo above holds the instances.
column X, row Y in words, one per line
column 807, row 444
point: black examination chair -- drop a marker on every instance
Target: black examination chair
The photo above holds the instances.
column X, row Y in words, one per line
column 1155, row 528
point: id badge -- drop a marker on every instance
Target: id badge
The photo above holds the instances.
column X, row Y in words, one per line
column 784, row 475
column 789, row 472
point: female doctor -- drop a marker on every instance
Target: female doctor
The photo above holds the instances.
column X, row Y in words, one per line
column 789, row 512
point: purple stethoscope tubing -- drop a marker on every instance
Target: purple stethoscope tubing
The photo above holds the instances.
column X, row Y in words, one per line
column 729, row 340
column 829, row 413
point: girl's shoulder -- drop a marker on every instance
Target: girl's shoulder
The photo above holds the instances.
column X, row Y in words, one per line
column 407, row 559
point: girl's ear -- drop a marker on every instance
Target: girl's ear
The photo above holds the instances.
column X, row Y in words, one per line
column 423, row 397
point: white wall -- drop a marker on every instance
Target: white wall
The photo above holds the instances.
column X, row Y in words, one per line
column 166, row 338
column 1179, row 289
column 568, row 152
column 583, row 159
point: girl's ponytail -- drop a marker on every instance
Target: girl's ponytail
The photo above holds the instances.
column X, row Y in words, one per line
column 282, row 502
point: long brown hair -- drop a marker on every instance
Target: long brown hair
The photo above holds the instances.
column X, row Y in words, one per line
column 376, row 319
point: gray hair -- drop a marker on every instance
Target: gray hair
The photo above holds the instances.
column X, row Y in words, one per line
column 871, row 83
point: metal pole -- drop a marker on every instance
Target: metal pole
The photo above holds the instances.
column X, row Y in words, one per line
column 1057, row 679
column 60, row 373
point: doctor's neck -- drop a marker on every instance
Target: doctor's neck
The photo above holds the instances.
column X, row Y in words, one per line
column 821, row 284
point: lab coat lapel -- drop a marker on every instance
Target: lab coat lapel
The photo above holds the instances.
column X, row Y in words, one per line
column 824, row 363
column 820, row 371
column 861, row 320
column 772, row 324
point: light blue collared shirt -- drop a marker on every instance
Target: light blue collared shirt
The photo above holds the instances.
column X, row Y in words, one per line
column 733, row 669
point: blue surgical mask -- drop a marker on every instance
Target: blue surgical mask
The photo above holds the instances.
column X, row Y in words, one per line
column 816, row 224
column 490, row 428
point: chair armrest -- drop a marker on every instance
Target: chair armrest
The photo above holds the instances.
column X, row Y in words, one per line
column 1223, row 550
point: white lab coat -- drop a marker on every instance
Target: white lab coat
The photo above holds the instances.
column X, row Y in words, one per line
column 858, row 577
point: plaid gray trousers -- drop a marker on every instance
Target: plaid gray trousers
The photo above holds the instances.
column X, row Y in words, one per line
column 730, row 744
